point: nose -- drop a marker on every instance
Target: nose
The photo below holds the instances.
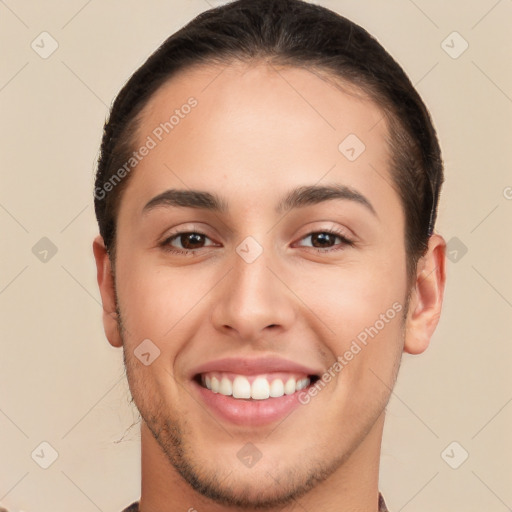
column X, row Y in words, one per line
column 252, row 299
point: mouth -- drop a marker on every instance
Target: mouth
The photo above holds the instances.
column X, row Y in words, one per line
column 252, row 392
column 266, row 386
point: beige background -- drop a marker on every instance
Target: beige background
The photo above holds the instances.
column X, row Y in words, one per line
column 60, row 381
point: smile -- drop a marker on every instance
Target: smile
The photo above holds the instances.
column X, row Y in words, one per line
column 252, row 400
column 255, row 387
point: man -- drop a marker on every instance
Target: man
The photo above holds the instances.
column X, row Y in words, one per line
column 266, row 194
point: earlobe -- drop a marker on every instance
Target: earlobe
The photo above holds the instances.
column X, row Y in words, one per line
column 106, row 285
column 426, row 297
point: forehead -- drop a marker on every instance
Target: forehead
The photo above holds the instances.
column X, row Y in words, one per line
column 244, row 92
column 255, row 127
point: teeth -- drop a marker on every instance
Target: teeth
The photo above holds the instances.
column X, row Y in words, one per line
column 302, row 383
column 215, row 384
column 289, row 387
column 241, row 387
column 225, row 388
column 277, row 388
column 260, row 389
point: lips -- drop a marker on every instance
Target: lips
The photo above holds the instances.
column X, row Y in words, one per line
column 262, row 365
column 252, row 391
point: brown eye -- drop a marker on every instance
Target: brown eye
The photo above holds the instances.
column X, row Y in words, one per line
column 191, row 240
column 327, row 240
column 186, row 242
column 323, row 239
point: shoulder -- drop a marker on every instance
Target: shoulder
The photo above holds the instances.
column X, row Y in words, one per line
column 382, row 504
column 134, row 507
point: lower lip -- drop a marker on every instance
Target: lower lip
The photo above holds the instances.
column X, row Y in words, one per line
column 249, row 412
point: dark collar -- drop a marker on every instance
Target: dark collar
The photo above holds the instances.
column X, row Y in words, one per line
column 134, row 507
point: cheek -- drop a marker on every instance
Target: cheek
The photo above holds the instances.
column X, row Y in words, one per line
column 359, row 310
column 367, row 365
column 156, row 302
column 348, row 299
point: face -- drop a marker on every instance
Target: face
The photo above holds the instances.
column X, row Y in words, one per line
column 277, row 275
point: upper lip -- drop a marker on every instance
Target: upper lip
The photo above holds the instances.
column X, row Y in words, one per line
column 254, row 366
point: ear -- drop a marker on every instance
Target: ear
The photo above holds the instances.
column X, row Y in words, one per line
column 426, row 297
column 106, row 284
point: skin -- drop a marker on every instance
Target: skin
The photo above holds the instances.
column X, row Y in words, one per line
column 251, row 139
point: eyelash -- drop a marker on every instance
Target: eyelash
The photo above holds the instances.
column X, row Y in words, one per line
column 190, row 252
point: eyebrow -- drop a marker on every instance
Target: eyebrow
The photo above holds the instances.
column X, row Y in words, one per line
column 297, row 198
